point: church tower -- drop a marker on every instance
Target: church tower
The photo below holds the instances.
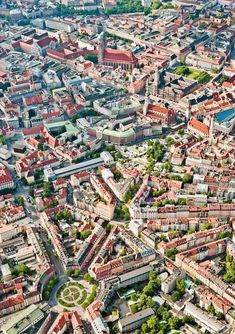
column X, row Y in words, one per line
column 101, row 46
column 146, row 102
column 188, row 111
column 156, row 81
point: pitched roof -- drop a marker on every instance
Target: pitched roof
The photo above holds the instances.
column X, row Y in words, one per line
column 199, row 126
column 119, row 55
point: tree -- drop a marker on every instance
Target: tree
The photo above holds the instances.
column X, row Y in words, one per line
column 176, row 177
column 109, row 228
column 122, row 213
column 133, row 297
column 229, row 277
column 182, row 70
column 142, row 301
column 225, row 234
column 5, row 260
column 88, row 278
column 211, row 309
column 145, row 328
column 180, row 286
column 131, row 192
column 150, row 302
column 188, row 319
column 163, row 237
column 171, row 253
column 182, row 201
column 180, row 132
column 206, row 226
column 175, row 296
column 123, row 252
column 47, row 189
column 21, row 270
column 134, row 308
column 167, row 166
column 156, row 5
column 85, row 234
column 31, row 192
column 40, row 147
column 202, row 25
column 220, row 315
column 19, row 200
column 175, row 323
column 188, row 178
column 46, row 294
column 76, row 273
column 153, row 323
column 166, row 315
column 170, row 141
column 66, row 215
column 148, row 289
column 68, row 272
column 223, row 79
column 2, row 140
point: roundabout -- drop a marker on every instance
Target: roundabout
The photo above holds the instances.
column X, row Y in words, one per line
column 71, row 294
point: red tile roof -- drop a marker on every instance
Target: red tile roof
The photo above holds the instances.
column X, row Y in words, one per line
column 46, row 41
column 32, row 131
column 199, row 126
column 5, row 175
column 111, row 55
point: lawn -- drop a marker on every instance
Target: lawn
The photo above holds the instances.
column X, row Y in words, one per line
column 72, row 294
column 83, row 298
column 192, row 73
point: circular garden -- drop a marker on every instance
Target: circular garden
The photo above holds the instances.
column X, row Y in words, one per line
column 71, row 294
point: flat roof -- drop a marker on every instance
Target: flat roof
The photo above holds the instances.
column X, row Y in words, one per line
column 5, row 269
column 80, row 165
column 136, row 272
column 225, row 116
column 148, row 312
column 23, row 320
column 213, row 323
column 120, row 134
column 67, row 124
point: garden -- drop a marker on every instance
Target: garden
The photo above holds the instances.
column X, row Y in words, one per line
column 201, row 76
column 73, row 294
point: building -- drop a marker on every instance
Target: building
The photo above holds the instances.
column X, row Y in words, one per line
column 161, row 114
column 198, row 128
column 6, row 272
column 169, row 284
column 8, row 232
column 115, row 58
column 4, row 154
column 135, row 276
column 133, row 321
column 64, row 320
column 98, row 323
column 23, row 321
column 6, row 180
column 202, row 318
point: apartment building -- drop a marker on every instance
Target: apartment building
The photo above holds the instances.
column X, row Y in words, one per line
column 133, row 321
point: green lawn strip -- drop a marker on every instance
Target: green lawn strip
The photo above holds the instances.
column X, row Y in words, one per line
column 83, row 298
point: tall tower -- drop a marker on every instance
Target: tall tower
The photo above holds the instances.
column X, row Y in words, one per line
column 156, row 81
column 101, row 41
column 189, row 111
column 102, row 46
column 212, row 125
column 146, row 102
